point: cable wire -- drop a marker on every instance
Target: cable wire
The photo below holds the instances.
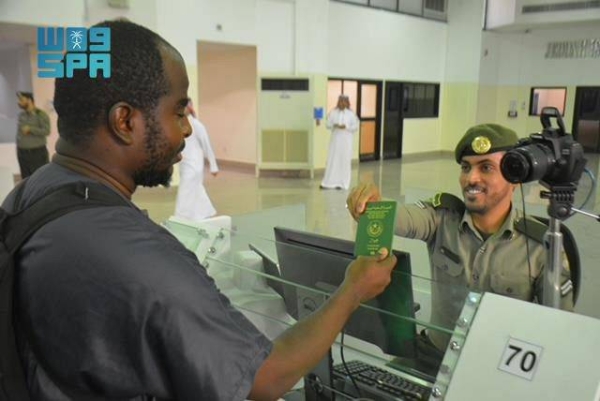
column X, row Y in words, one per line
column 346, row 367
column 592, row 189
column 526, row 236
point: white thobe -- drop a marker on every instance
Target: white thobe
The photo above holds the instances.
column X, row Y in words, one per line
column 193, row 202
column 339, row 158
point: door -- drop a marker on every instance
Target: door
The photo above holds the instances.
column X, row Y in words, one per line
column 586, row 118
column 365, row 101
column 369, row 105
column 393, row 120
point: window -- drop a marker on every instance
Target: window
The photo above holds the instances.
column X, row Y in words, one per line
column 547, row 97
column 436, row 5
column 430, row 9
column 421, row 100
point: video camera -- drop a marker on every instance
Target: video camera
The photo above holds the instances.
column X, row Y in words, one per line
column 553, row 157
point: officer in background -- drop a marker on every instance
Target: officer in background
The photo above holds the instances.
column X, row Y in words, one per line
column 478, row 243
column 32, row 130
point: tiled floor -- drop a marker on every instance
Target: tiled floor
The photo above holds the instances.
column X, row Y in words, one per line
column 235, row 193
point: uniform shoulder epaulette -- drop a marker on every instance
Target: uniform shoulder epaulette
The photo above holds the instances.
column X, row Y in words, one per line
column 443, row 200
column 531, row 227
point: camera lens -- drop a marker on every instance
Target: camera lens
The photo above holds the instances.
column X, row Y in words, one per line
column 527, row 163
column 514, row 167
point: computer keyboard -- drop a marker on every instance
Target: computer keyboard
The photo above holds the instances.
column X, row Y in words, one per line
column 376, row 383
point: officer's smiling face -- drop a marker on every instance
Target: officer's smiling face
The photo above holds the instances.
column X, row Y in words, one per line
column 484, row 188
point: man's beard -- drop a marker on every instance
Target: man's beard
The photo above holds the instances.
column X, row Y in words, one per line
column 151, row 174
column 481, row 209
column 475, row 207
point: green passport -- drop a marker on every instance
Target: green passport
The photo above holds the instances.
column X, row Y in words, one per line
column 375, row 228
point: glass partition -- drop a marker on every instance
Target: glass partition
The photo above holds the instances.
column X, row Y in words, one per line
column 277, row 272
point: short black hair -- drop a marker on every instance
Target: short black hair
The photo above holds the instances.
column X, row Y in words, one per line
column 137, row 77
column 28, row 95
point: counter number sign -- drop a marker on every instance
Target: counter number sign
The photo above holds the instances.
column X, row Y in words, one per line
column 520, row 358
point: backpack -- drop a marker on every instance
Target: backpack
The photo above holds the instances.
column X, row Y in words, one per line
column 15, row 230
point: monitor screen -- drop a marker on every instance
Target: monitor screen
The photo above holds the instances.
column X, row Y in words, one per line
column 271, row 268
column 319, row 262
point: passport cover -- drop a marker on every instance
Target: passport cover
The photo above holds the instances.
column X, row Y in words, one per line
column 375, row 228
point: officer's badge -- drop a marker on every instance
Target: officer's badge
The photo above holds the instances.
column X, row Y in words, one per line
column 481, row 145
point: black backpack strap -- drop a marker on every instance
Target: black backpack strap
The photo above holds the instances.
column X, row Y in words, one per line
column 19, row 192
column 65, row 199
column 15, row 230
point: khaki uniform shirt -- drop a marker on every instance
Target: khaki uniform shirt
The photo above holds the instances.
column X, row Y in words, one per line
column 463, row 261
column 39, row 125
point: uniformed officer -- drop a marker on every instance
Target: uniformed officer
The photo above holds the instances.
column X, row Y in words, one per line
column 475, row 245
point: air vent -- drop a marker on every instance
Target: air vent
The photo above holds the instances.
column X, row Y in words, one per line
column 294, row 84
column 543, row 8
column 436, row 5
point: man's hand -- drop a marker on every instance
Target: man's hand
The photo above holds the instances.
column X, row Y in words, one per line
column 359, row 196
column 368, row 276
column 215, row 173
column 25, row 130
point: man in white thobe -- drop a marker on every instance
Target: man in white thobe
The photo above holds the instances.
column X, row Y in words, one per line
column 193, row 203
column 343, row 123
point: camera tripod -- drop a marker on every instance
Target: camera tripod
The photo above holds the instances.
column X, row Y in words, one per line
column 561, row 199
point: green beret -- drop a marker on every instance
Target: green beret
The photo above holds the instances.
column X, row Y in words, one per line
column 485, row 139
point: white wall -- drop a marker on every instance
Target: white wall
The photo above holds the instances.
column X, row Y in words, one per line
column 521, row 58
column 459, row 94
column 276, row 33
column 142, row 12
column 291, row 35
column 365, row 43
column 15, row 75
column 75, row 13
column 312, row 32
column 36, row 12
column 464, row 41
column 193, row 20
column 500, row 13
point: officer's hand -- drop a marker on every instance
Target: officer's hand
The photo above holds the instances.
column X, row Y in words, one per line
column 359, row 196
column 368, row 276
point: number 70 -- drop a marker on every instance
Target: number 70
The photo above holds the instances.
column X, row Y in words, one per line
column 527, row 359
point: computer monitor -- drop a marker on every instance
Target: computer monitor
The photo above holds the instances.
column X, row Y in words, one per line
column 320, row 262
column 271, row 268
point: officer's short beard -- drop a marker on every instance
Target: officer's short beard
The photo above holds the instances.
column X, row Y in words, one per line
column 477, row 210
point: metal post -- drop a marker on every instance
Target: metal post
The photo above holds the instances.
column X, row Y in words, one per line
column 553, row 240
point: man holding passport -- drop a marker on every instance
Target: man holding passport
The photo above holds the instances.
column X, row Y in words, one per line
column 476, row 243
column 108, row 304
